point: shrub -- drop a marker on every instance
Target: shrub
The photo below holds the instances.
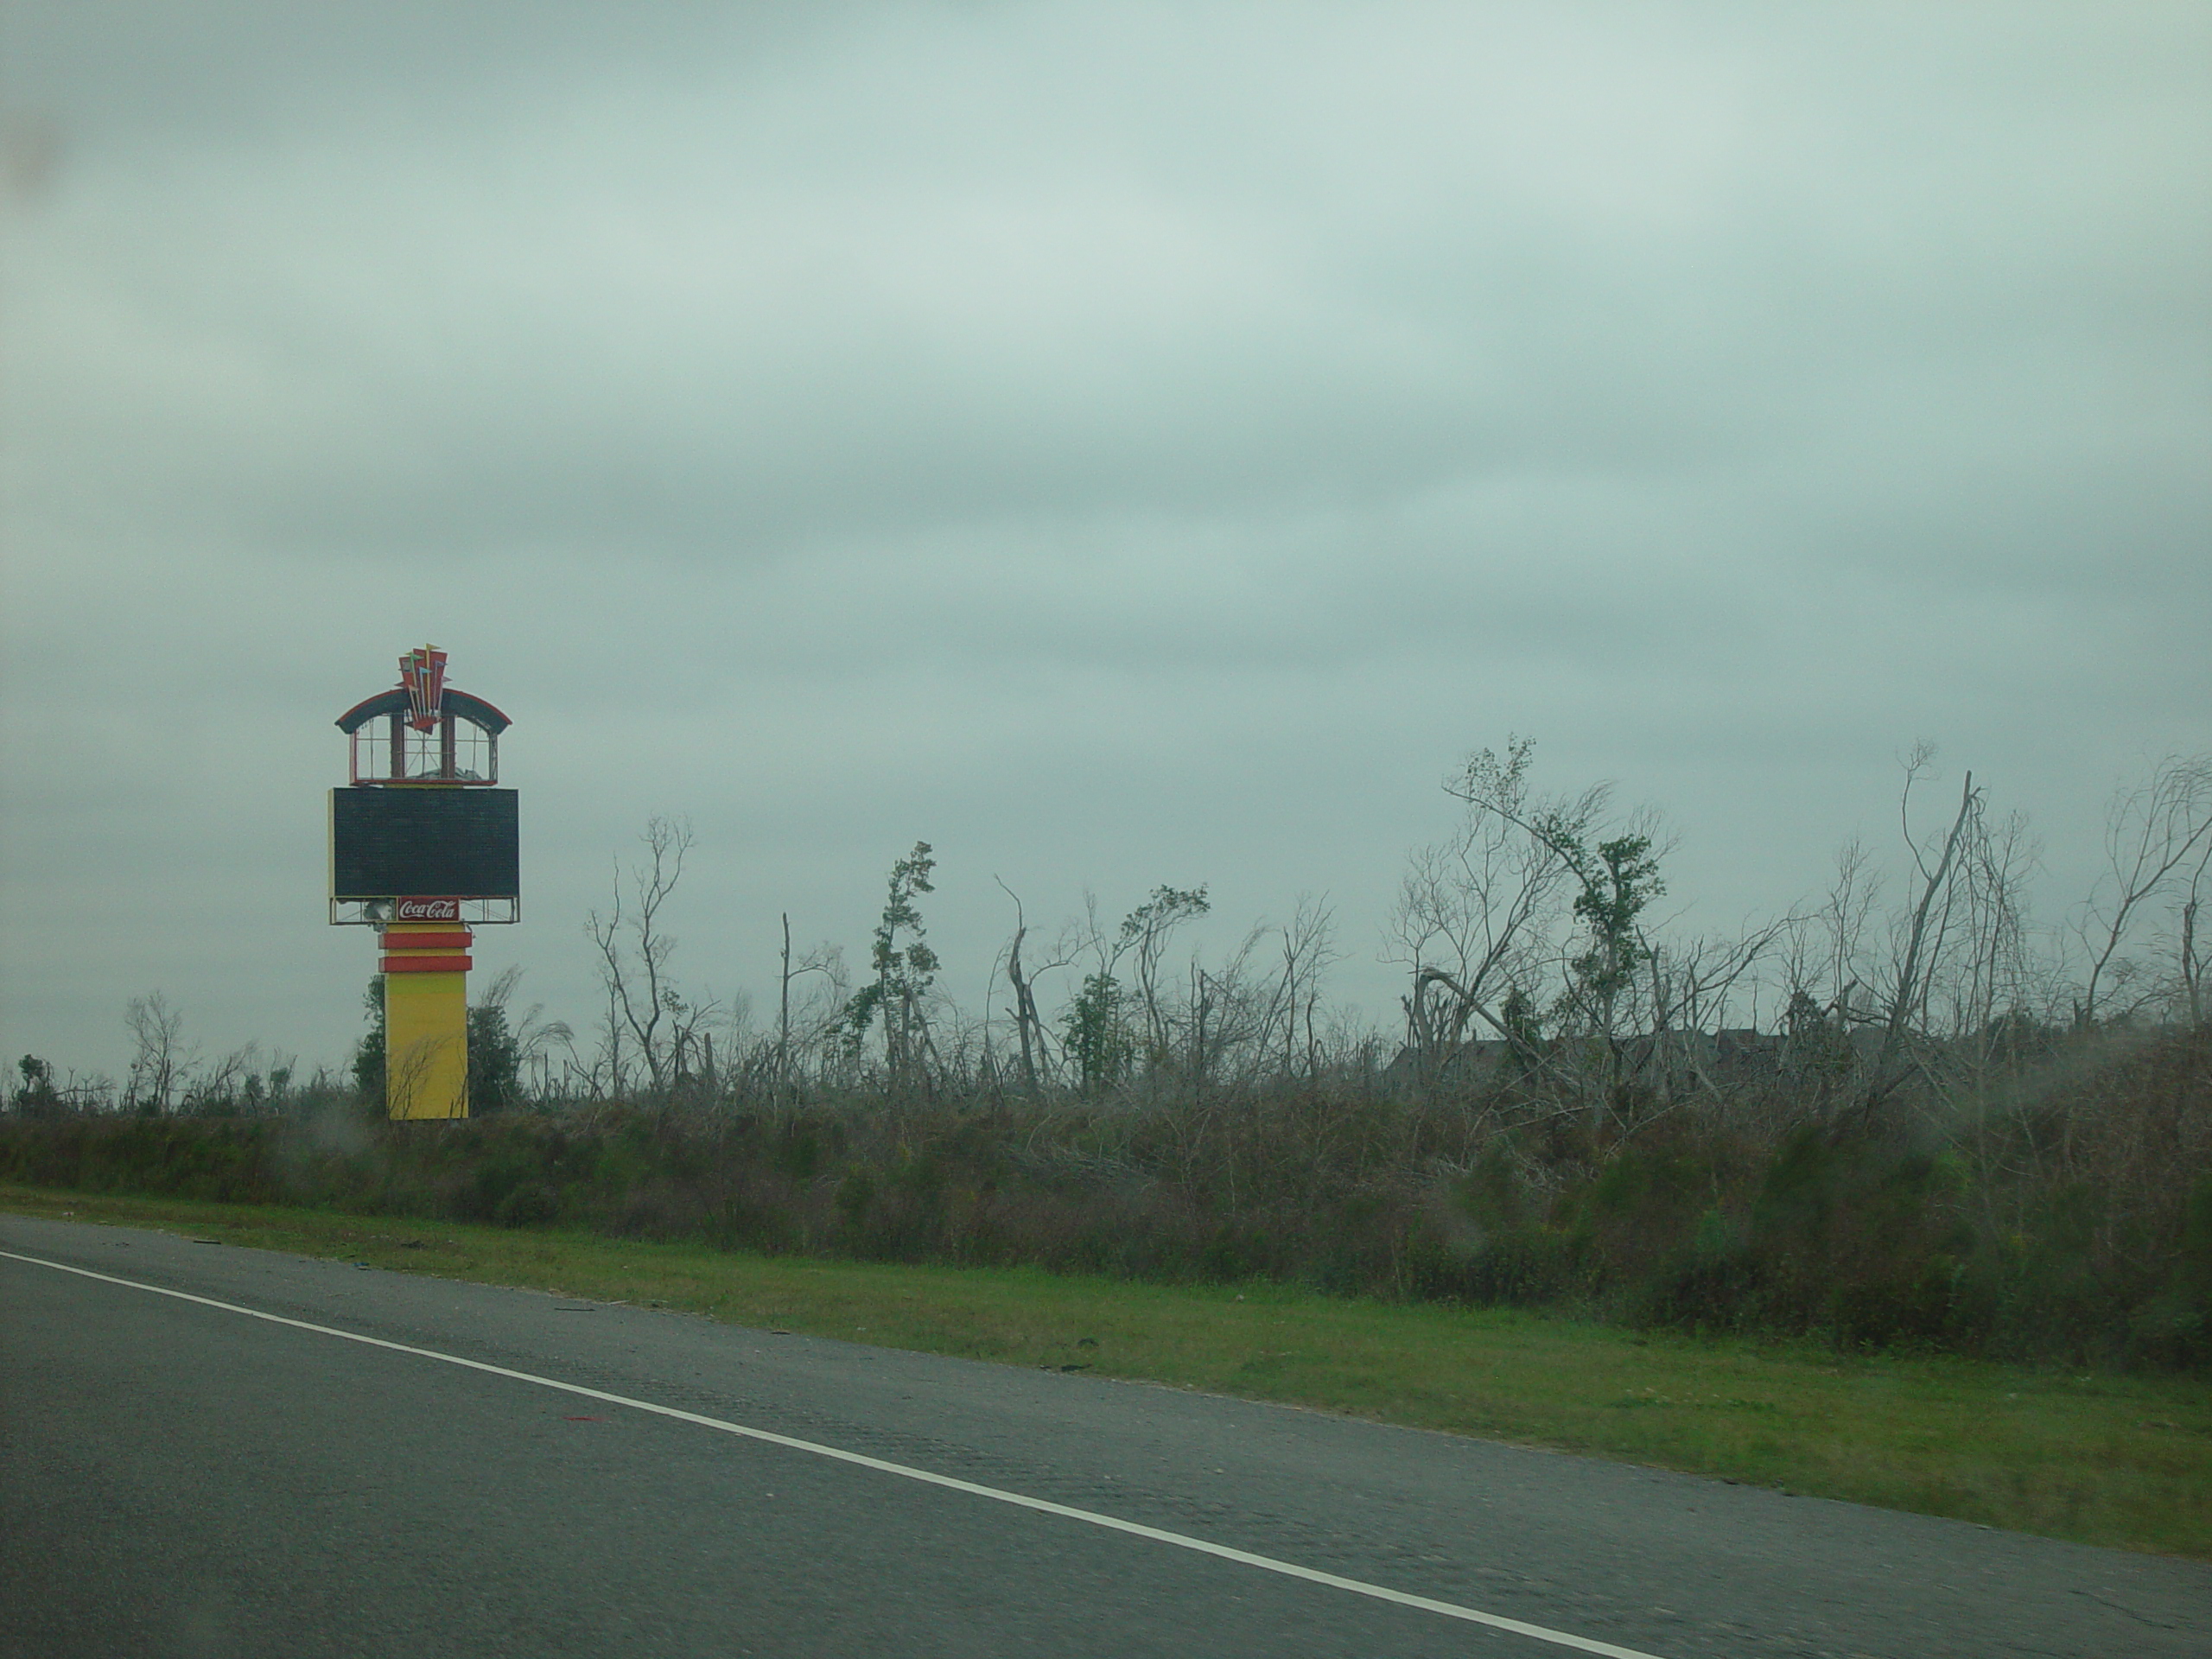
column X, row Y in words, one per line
column 2073, row 1220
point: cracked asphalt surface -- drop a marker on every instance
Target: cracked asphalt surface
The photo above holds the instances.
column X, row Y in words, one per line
column 176, row 1479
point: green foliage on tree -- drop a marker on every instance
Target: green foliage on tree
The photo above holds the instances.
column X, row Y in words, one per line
column 35, row 1096
column 1619, row 880
column 1164, row 910
column 1616, row 880
column 1523, row 1019
column 494, row 1061
column 904, row 972
column 1099, row 1041
column 368, row 1053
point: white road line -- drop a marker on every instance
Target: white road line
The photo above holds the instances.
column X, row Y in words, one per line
column 1043, row 1506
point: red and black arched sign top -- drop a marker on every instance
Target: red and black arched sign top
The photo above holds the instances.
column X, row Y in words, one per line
column 473, row 710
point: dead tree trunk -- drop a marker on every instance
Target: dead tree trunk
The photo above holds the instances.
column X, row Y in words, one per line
column 784, row 1014
column 1916, row 964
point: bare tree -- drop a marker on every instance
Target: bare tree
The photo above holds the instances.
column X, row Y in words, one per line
column 1028, row 1027
column 1611, row 879
column 1145, row 932
column 643, row 1007
column 2192, row 963
column 1224, row 1024
column 1476, row 912
column 2155, row 832
column 817, row 1024
column 1920, row 937
column 1309, row 946
column 784, row 1009
column 161, row 1061
column 1690, row 987
column 1826, row 955
column 821, row 959
column 1992, row 981
column 226, row 1083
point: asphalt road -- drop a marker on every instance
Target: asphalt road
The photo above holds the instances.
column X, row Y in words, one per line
column 181, row 1480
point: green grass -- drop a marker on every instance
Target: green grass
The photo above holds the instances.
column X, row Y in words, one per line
column 2123, row 1460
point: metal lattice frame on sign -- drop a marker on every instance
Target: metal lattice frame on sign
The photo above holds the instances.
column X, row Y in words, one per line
column 422, row 732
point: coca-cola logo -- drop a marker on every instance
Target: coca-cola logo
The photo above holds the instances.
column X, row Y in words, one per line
column 426, row 910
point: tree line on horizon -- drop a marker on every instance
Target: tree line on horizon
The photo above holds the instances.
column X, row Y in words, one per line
column 1527, row 935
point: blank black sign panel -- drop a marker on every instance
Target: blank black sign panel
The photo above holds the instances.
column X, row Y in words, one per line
column 451, row 844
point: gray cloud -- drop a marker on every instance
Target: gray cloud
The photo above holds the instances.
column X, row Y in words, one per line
column 1118, row 445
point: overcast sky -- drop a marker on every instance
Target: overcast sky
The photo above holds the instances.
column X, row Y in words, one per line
column 1118, row 445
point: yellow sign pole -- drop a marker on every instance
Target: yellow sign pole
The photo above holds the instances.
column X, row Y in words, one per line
column 426, row 1019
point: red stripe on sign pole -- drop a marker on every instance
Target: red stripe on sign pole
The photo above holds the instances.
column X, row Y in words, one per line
column 424, row 965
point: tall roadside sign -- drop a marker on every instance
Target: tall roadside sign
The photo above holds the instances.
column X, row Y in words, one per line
column 424, row 848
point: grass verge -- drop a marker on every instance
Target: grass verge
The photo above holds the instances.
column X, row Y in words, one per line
column 2121, row 1460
